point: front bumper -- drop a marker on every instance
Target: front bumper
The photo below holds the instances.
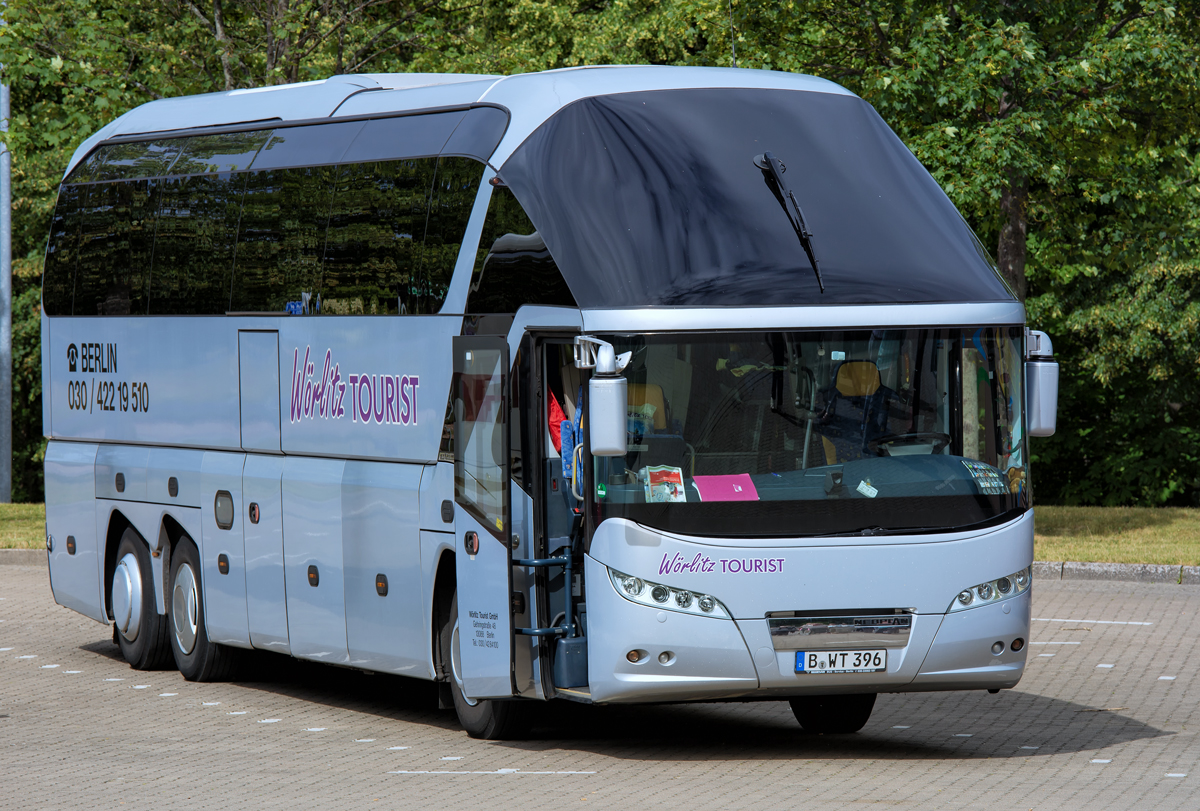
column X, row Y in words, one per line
column 710, row 658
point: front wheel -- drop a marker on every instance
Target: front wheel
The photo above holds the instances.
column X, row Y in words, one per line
column 198, row 658
column 833, row 714
column 484, row 718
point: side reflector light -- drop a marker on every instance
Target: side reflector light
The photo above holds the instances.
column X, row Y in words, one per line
column 656, row 595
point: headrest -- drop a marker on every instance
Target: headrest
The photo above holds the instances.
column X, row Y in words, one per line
column 857, row 378
column 652, row 394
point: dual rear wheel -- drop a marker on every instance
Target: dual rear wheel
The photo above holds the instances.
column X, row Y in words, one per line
column 149, row 640
column 140, row 631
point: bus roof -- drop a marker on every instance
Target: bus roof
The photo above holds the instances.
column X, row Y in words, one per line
column 530, row 98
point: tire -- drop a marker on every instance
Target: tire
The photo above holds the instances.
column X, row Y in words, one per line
column 485, row 719
column 138, row 629
column 833, row 714
column 198, row 659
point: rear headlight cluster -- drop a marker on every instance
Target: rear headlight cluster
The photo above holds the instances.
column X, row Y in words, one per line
column 993, row 591
column 656, row 595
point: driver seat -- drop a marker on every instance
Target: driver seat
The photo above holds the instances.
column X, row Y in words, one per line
column 855, row 410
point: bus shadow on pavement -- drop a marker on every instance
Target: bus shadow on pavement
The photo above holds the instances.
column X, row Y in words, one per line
column 902, row 726
column 1011, row 724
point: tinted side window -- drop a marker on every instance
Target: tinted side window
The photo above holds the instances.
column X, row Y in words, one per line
column 216, row 154
column 124, row 161
column 454, row 191
column 281, row 240
column 194, row 248
column 513, row 266
column 307, row 146
column 115, row 247
column 58, row 274
column 378, row 218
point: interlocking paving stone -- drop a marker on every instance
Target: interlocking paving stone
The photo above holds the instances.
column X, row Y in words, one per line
column 75, row 740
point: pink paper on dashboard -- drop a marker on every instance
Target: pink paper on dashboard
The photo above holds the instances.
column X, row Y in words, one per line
column 737, row 487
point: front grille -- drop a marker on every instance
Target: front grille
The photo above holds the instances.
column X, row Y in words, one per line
column 839, row 630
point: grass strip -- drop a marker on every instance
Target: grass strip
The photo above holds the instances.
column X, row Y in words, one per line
column 1168, row 535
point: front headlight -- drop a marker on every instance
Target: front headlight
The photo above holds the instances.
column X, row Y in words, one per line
column 993, row 591
column 656, row 595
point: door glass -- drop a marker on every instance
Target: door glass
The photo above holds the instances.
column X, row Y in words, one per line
column 480, row 446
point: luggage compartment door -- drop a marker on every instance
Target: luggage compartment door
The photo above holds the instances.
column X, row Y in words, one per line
column 482, row 647
column 258, row 378
column 266, row 597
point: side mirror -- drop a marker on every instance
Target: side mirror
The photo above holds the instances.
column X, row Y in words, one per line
column 607, row 404
column 607, row 394
column 1041, row 384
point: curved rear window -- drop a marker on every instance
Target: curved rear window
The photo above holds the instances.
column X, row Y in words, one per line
column 653, row 198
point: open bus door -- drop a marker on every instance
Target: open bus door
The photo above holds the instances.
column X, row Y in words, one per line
column 481, row 488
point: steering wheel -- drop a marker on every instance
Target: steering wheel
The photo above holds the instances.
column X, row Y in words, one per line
column 940, row 440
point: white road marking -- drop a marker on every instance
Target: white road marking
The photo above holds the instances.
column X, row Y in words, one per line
column 243, row 712
column 140, row 686
column 269, row 721
column 452, row 758
column 365, row 740
column 1092, row 622
column 49, row 667
column 396, row 748
column 27, row 656
column 901, row 727
column 963, row 734
column 209, row 703
column 1045, row 655
column 315, row 729
column 4, row 649
column 1101, row 761
column 72, row 671
column 1166, row 678
column 1031, row 747
column 1106, row 666
column 164, row 695
column 114, row 680
column 1176, row 774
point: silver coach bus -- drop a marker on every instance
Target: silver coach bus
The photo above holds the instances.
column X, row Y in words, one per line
column 605, row 384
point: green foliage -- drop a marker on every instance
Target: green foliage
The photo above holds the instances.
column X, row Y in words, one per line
column 29, row 446
column 1128, row 424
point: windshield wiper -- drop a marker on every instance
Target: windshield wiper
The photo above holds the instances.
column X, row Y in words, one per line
column 773, row 169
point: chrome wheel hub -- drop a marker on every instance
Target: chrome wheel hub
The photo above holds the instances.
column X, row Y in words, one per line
column 127, row 596
column 185, row 604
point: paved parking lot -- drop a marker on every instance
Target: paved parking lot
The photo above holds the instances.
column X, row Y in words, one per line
column 1105, row 717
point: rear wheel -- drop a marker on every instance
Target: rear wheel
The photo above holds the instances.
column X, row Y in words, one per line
column 198, row 658
column 833, row 714
column 486, row 719
column 139, row 630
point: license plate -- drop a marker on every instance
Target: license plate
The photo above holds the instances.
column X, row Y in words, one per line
column 841, row 661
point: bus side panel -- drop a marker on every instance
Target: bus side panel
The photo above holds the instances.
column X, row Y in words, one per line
column 224, row 594
column 381, row 537
column 312, row 542
column 167, row 381
column 370, row 387
column 71, row 513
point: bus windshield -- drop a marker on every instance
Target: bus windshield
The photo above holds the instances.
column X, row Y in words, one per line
column 820, row 433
